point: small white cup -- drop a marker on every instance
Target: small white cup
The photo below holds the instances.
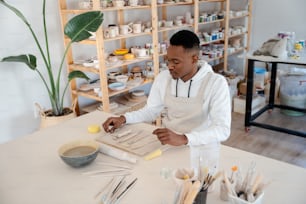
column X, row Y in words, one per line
column 133, row 2
column 85, row 5
column 125, row 29
column 104, row 3
column 136, row 28
column 141, row 52
column 178, row 22
column 118, row 3
column 168, row 23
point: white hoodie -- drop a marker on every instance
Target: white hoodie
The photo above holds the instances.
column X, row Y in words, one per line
column 217, row 129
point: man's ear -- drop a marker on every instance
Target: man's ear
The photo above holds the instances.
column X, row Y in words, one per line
column 195, row 58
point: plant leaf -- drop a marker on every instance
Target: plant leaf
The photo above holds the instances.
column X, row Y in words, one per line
column 77, row 74
column 16, row 11
column 29, row 60
column 79, row 27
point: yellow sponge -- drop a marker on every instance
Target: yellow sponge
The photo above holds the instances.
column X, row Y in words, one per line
column 94, row 128
column 153, row 155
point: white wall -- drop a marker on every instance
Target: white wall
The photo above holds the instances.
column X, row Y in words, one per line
column 272, row 16
column 20, row 88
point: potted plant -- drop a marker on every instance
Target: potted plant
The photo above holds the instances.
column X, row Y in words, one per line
column 77, row 29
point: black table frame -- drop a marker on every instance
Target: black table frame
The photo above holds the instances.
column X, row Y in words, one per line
column 249, row 118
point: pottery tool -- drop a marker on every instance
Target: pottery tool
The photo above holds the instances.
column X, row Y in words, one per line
column 141, row 145
column 116, row 153
column 119, row 135
column 128, row 137
column 115, row 165
column 137, row 139
column 228, row 185
column 158, row 152
column 192, row 193
column 125, row 191
column 104, row 187
column 185, row 188
column 104, row 171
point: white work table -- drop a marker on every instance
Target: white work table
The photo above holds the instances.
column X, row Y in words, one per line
column 31, row 171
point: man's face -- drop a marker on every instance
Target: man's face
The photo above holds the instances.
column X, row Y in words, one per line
column 181, row 63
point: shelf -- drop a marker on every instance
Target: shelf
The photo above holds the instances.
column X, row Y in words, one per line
column 153, row 12
column 174, row 4
column 237, row 17
column 84, row 69
column 163, row 29
column 232, row 36
column 211, row 1
column 114, row 93
column 91, row 94
column 210, row 22
column 127, row 36
column 211, row 42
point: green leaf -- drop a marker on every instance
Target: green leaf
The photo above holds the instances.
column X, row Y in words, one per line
column 77, row 74
column 16, row 11
column 29, row 60
column 79, row 27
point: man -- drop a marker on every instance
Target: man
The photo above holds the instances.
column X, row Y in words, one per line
column 194, row 99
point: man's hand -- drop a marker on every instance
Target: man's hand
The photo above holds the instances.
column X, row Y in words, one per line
column 167, row 136
column 113, row 123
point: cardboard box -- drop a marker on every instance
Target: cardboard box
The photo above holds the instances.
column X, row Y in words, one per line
column 239, row 103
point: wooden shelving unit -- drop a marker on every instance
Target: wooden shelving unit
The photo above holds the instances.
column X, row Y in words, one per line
column 156, row 12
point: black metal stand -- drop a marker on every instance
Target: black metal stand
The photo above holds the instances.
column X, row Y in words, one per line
column 249, row 118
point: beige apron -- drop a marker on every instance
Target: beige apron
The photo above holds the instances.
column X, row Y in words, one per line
column 184, row 114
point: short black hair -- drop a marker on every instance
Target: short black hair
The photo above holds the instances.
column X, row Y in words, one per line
column 185, row 38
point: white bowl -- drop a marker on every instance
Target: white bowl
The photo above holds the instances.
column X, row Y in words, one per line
column 117, row 86
column 138, row 93
column 181, row 175
column 122, row 78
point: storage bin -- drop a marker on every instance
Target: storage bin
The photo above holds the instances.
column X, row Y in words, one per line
column 259, row 77
column 293, row 93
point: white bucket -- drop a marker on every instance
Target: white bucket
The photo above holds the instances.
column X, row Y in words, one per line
column 293, row 93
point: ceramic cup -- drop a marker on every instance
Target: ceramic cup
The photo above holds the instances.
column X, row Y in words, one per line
column 104, row 3
column 160, row 24
column 84, row 5
column 110, row 32
column 178, row 22
column 147, row 2
column 125, row 29
column 168, row 23
column 141, row 52
column 136, row 28
column 133, row 2
column 116, row 28
column 118, row 3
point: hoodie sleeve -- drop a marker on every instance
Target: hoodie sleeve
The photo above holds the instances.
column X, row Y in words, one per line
column 217, row 126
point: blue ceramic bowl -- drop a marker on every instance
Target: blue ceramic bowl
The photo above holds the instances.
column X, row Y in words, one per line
column 117, row 86
column 79, row 153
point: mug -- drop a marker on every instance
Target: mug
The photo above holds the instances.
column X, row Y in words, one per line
column 85, row 5
column 168, row 23
column 118, row 3
column 125, row 29
column 114, row 27
column 104, row 3
column 110, row 32
column 178, row 22
column 136, row 28
column 133, row 2
column 141, row 52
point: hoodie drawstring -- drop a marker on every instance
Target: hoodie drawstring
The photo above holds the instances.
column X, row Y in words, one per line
column 177, row 88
